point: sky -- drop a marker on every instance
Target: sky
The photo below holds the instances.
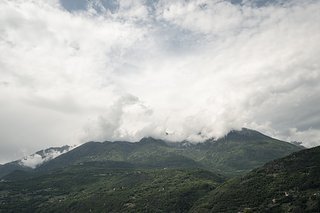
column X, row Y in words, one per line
column 96, row 70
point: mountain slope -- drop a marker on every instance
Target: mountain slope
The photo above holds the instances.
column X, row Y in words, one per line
column 148, row 152
column 12, row 166
column 236, row 153
column 107, row 187
column 240, row 151
column 290, row 184
column 32, row 161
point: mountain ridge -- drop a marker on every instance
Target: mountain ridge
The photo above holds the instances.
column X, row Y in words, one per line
column 30, row 162
column 288, row 184
column 237, row 152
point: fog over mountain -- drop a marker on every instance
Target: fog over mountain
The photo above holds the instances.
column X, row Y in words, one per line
column 73, row 71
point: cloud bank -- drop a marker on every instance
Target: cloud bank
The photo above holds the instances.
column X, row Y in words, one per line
column 74, row 71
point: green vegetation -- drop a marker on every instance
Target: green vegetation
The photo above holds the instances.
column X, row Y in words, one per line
column 290, row 184
column 107, row 187
column 236, row 153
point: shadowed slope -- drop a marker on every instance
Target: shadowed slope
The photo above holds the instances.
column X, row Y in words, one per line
column 290, row 184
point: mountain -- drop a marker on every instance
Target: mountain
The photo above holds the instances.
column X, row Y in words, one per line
column 12, row 166
column 147, row 176
column 289, row 184
column 241, row 151
column 32, row 161
column 236, row 153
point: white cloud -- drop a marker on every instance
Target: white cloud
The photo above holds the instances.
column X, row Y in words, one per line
column 204, row 16
column 32, row 161
column 35, row 160
column 311, row 136
column 113, row 70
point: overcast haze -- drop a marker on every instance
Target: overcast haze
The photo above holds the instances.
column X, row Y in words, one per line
column 73, row 71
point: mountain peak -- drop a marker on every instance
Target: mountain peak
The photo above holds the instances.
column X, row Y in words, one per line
column 151, row 140
column 244, row 134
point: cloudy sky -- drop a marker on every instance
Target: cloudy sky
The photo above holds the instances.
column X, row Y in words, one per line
column 79, row 70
